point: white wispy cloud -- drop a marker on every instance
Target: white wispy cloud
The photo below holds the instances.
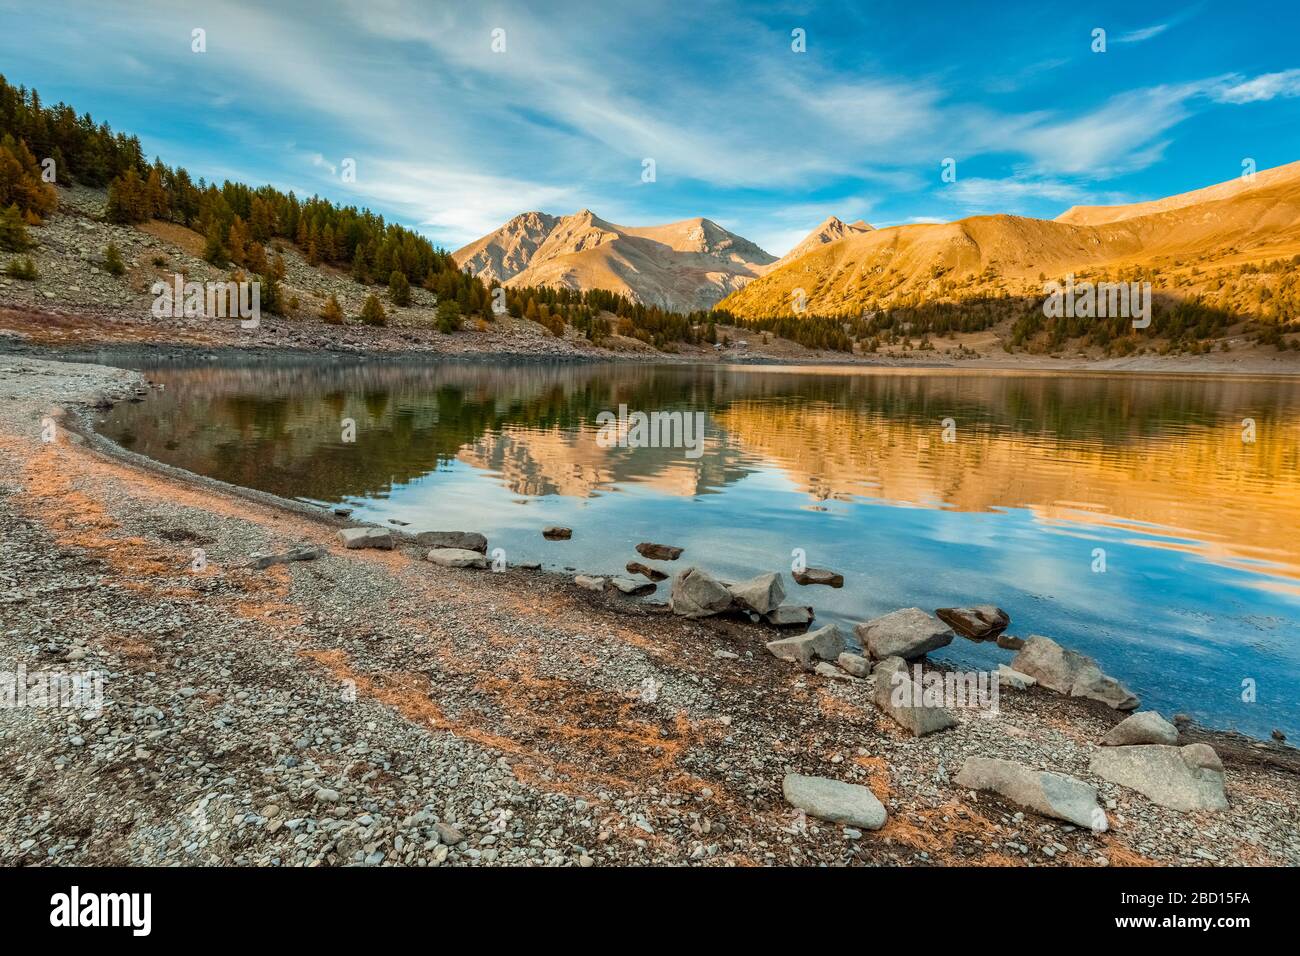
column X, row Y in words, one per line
column 1267, row 86
column 457, row 138
column 1146, row 33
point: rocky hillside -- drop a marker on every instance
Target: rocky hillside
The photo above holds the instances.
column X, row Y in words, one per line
column 681, row 266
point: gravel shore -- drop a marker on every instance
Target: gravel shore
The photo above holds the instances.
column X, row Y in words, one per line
column 371, row 708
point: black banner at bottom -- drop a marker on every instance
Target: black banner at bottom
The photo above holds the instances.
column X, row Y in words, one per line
column 335, row 906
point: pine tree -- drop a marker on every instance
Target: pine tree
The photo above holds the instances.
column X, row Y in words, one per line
column 448, row 316
column 372, row 313
column 272, row 296
column 113, row 263
column 22, row 269
column 399, row 290
column 237, row 242
column 13, row 231
column 332, row 312
column 214, row 250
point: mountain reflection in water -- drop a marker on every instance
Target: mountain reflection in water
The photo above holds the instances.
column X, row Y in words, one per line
column 1202, row 583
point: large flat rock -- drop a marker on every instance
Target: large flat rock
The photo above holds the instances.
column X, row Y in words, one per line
column 909, row 633
column 1051, row 794
column 1180, row 778
column 456, row 558
column 353, row 538
column 834, row 801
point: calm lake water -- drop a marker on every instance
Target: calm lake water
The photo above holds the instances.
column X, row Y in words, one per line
column 1201, row 587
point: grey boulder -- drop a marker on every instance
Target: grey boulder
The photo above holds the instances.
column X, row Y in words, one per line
column 901, row 697
column 456, row 558
column 589, row 583
column 1180, row 778
column 353, row 538
column 834, row 801
column 631, row 587
column 1069, row 672
column 789, row 615
column 761, row 594
column 468, row 540
column 1014, row 678
column 1051, row 794
column 854, row 664
column 1147, row 727
column 697, row 593
column 825, row 644
column 908, row 634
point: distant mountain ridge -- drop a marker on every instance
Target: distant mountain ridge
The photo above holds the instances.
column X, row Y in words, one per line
column 832, row 230
column 1232, row 223
column 682, row 266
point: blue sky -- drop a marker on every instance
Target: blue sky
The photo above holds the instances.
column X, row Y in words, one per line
column 452, row 138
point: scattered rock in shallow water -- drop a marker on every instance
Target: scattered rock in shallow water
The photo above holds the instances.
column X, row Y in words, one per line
column 1014, row 678
column 556, row 533
column 658, row 552
column 984, row 622
column 302, row 552
column 855, row 664
column 1009, row 643
column 789, row 615
column 1147, row 727
column 342, row 510
column 825, row 576
column 633, row 588
column 467, row 540
column 900, row 697
column 589, row 583
column 761, row 594
column 654, row 574
column 909, row 633
column 1051, row 794
column 367, row 538
column 1068, row 672
column 1278, row 735
column 825, row 643
column 834, row 801
column 697, row 593
column 1180, row 778
column 456, row 558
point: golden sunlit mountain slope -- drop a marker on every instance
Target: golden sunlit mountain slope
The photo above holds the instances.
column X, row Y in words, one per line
column 1097, row 215
column 832, row 230
column 1002, row 255
column 681, row 266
